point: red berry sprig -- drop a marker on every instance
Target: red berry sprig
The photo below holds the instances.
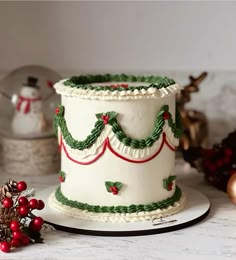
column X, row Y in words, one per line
column 217, row 163
column 7, row 202
column 24, row 227
column 21, row 186
column 5, row 246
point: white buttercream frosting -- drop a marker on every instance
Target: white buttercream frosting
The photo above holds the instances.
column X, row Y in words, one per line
column 142, row 182
column 144, row 93
column 117, row 217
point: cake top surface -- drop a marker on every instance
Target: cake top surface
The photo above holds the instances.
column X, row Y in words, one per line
column 117, row 87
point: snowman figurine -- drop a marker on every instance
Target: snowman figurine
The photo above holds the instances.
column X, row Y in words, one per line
column 28, row 118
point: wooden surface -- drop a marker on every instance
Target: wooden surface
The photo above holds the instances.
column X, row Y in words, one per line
column 213, row 238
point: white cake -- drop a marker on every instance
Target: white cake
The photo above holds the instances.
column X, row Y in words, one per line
column 117, row 135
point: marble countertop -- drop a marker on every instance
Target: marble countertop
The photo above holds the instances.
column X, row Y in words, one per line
column 213, row 238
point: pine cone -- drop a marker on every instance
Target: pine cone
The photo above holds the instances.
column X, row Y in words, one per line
column 4, row 230
column 7, row 215
column 9, row 189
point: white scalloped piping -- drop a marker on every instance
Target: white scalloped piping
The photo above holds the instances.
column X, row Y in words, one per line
column 118, row 146
column 116, row 217
column 145, row 93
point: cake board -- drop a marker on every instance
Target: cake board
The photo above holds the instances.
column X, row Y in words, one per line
column 196, row 209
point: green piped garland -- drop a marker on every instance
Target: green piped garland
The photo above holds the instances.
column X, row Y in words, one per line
column 85, row 81
column 110, row 118
column 60, row 121
column 119, row 209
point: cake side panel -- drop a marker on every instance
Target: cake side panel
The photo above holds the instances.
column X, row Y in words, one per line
column 136, row 117
column 142, row 182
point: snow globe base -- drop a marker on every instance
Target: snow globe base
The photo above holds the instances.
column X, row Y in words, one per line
column 27, row 105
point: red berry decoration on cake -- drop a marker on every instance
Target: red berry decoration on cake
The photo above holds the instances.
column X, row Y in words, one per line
column 114, row 190
column 16, row 214
column 113, row 187
column 105, row 119
column 120, row 86
column 61, row 179
column 57, row 110
column 168, row 182
column 62, row 176
column 166, row 115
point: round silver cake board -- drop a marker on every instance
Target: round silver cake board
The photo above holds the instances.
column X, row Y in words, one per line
column 197, row 207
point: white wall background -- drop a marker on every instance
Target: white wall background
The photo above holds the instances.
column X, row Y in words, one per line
column 118, row 36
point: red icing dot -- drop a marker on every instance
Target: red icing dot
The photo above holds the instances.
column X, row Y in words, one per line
column 57, row 110
column 120, row 86
column 105, row 119
column 166, row 115
column 170, row 186
column 61, row 179
column 114, row 190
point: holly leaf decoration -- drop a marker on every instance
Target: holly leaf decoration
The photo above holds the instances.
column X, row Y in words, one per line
column 110, row 184
column 111, row 115
column 168, row 181
column 118, row 185
column 59, row 111
column 165, row 108
column 62, row 176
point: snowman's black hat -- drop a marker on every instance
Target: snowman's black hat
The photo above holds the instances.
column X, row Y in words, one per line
column 32, row 82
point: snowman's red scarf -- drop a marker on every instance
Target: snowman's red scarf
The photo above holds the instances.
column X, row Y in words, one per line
column 28, row 102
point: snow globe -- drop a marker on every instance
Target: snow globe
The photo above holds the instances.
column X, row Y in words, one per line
column 27, row 104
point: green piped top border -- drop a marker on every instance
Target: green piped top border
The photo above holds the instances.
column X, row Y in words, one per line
column 119, row 209
column 85, row 81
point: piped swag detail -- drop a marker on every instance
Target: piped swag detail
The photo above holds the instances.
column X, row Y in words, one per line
column 164, row 127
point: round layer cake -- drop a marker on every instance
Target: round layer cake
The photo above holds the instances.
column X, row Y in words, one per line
column 117, row 135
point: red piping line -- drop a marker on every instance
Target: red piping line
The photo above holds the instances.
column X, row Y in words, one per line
column 167, row 143
column 89, row 162
column 107, row 144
